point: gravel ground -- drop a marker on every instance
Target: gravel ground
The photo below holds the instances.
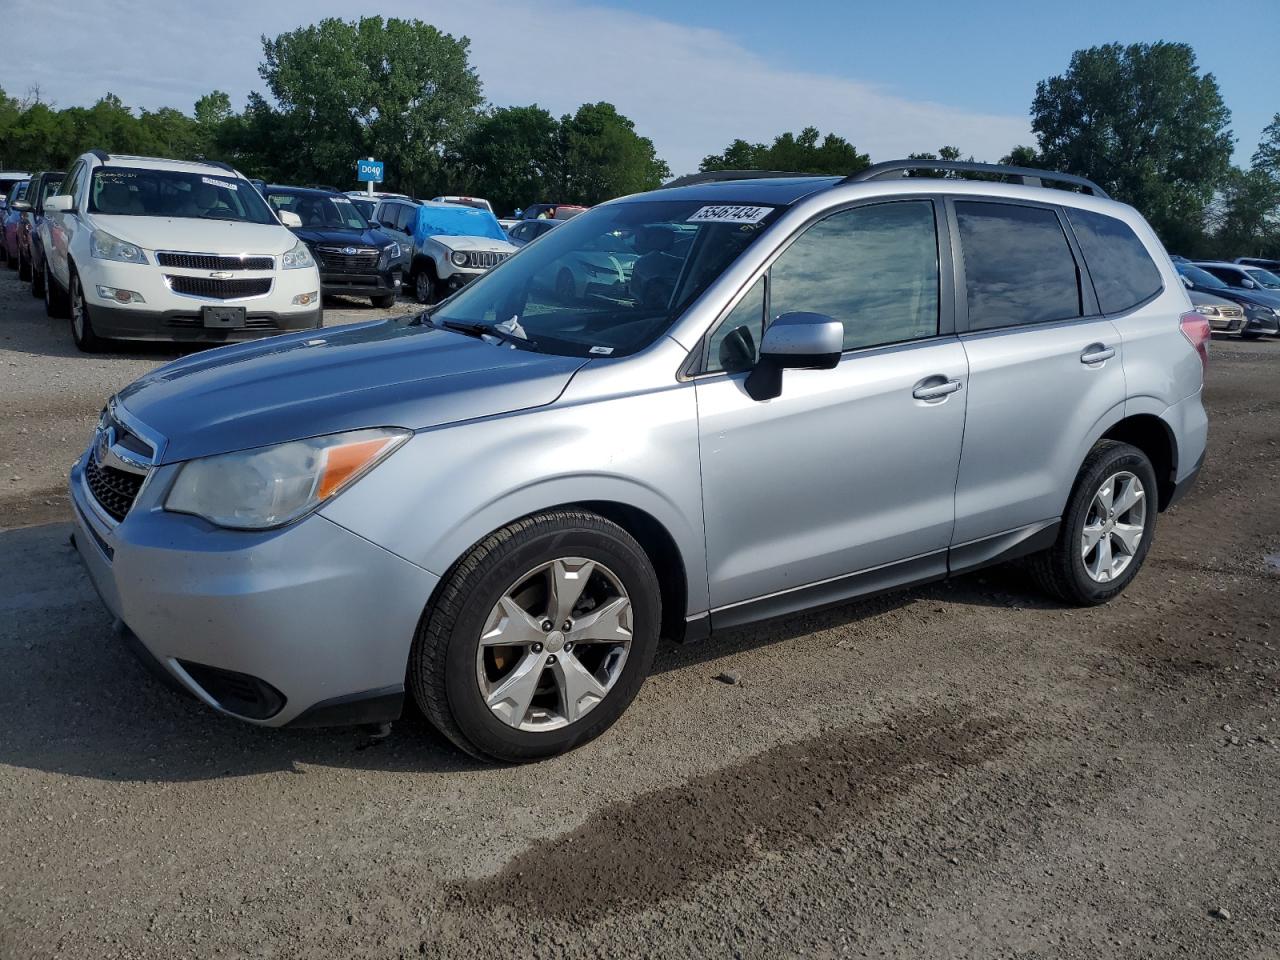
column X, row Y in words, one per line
column 961, row 770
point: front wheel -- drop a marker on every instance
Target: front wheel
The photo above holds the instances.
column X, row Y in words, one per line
column 37, row 281
column 87, row 341
column 1107, row 529
column 1249, row 335
column 425, row 287
column 24, row 267
column 539, row 638
column 384, row 301
column 55, row 298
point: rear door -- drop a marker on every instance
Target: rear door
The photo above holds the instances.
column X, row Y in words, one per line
column 1044, row 367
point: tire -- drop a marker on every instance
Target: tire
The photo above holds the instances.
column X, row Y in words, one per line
column 24, row 268
column 425, row 287
column 55, row 298
column 81, row 322
column 37, row 282
column 384, row 301
column 448, row 663
column 1064, row 570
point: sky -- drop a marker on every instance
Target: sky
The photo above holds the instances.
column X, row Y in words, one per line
column 892, row 78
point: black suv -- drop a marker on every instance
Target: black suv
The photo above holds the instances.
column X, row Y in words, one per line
column 355, row 257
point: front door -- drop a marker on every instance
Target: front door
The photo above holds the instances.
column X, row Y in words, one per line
column 851, row 470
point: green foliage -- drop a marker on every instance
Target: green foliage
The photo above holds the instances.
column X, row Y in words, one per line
column 802, row 154
column 602, row 156
column 511, row 157
column 1143, row 122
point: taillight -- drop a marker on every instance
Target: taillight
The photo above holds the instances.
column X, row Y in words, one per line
column 1195, row 327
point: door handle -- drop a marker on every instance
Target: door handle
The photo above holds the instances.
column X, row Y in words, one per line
column 935, row 388
column 1097, row 353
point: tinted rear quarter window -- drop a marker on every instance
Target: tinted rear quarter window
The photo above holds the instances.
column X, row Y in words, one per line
column 1123, row 272
column 1018, row 265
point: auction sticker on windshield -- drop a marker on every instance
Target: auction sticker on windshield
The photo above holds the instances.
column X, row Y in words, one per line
column 730, row 214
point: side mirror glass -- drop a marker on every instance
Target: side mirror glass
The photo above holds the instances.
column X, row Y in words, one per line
column 58, row 203
column 800, row 341
column 290, row 219
column 1247, row 283
column 22, row 206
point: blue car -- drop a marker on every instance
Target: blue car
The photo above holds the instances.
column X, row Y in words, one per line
column 9, row 224
column 30, row 244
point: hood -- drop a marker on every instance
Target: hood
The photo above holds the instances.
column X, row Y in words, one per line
column 393, row 373
column 1202, row 299
column 342, row 236
column 1263, row 298
column 198, row 236
column 474, row 243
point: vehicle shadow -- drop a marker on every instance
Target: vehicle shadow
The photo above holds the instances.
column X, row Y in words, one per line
column 76, row 701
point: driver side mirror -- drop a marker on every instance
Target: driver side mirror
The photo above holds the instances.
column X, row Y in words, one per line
column 59, row 203
column 800, row 341
column 290, row 219
column 21, row 206
column 1247, row 283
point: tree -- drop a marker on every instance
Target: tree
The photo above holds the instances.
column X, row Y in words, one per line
column 944, row 153
column 1245, row 220
column 1267, row 156
column 1143, row 122
column 511, row 157
column 602, row 156
column 1023, row 156
column 802, row 154
column 399, row 90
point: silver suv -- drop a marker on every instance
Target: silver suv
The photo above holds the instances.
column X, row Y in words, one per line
column 804, row 390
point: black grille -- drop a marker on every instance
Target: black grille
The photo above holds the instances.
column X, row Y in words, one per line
column 363, row 260
column 114, row 489
column 206, row 261
column 484, row 258
column 219, row 289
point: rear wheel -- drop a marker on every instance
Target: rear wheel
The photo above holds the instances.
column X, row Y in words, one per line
column 1107, row 529
column 81, row 323
column 24, row 267
column 37, row 281
column 539, row 638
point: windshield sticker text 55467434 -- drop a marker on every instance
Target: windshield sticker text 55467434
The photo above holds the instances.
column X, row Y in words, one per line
column 730, row 213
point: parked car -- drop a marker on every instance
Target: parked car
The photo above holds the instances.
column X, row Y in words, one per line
column 1263, row 277
column 377, row 195
column 1239, row 276
column 478, row 202
column 501, row 504
column 506, row 223
column 355, row 258
column 31, row 211
column 452, row 245
column 140, row 248
column 522, row 231
column 1261, row 315
column 1225, row 316
column 9, row 223
column 602, row 269
column 7, row 179
column 396, row 215
column 366, row 206
column 551, row 211
column 1272, row 265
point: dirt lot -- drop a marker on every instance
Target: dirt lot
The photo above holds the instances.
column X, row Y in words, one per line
column 962, row 770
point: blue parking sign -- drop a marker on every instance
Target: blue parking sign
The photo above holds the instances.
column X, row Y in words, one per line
column 369, row 171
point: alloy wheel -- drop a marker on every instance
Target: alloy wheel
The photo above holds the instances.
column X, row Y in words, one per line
column 77, row 309
column 1114, row 527
column 554, row 644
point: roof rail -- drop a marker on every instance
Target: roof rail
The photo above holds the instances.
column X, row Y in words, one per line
column 1027, row 176
column 219, row 164
column 716, row 176
column 101, row 155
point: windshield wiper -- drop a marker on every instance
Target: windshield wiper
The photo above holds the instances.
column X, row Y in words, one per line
column 484, row 330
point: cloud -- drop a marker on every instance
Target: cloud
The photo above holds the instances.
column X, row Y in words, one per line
column 691, row 90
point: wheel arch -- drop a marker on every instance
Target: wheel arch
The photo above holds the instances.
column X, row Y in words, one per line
column 1155, row 438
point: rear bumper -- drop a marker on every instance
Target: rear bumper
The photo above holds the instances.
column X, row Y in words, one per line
column 185, row 326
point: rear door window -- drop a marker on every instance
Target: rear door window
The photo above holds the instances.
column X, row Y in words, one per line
column 1018, row 265
column 1123, row 273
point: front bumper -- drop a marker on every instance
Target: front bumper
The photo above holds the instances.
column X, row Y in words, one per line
column 187, row 326
column 379, row 284
column 318, row 615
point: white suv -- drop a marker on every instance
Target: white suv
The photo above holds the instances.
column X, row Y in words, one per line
column 147, row 249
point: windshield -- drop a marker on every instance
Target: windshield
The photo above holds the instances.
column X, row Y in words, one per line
column 49, row 186
column 611, row 281
column 319, row 210
column 136, row 192
column 1201, row 278
column 1265, row 277
column 365, row 207
column 456, row 220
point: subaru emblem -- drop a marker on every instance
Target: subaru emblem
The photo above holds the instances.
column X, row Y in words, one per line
column 349, row 251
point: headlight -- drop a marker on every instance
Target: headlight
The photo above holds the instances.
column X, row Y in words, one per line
column 459, row 258
column 271, row 486
column 390, row 253
column 1208, row 310
column 106, row 247
column 298, row 257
